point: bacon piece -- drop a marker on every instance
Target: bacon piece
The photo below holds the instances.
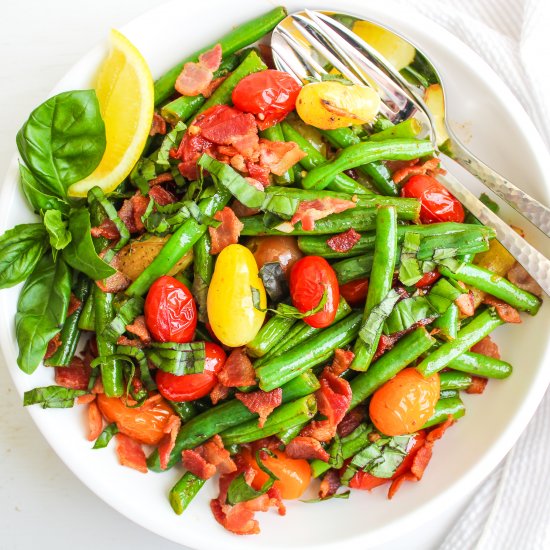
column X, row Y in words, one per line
column 130, row 453
column 279, row 156
column 518, row 276
column 212, row 58
column 466, row 304
column 197, row 465
column 306, row 447
column 430, row 167
column 330, row 484
column 132, row 342
column 161, row 178
column 132, row 210
column 213, row 86
column 478, row 385
column 106, row 229
column 237, row 370
column 505, row 311
column 161, row 196
column 76, row 376
column 276, row 499
column 486, row 347
column 310, row 211
column 271, row 443
column 95, row 421
column 351, row 421
column 53, row 346
column 193, row 80
column 237, row 162
column 139, row 328
column 259, row 173
column 341, row 362
column 227, row 132
column 74, row 304
column 219, row 393
column 398, row 481
column 85, row 399
column 344, row 241
column 227, row 232
column 158, row 126
column 321, row 430
column 261, row 402
column 333, row 398
column 204, row 460
column 166, row 445
column 116, row 282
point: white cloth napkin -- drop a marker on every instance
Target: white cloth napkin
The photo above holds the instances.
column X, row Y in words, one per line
column 511, row 509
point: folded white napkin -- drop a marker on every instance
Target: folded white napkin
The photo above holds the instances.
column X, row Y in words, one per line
column 511, row 509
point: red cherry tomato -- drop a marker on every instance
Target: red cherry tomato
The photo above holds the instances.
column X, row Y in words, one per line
column 170, row 311
column 310, row 278
column 438, row 205
column 355, row 292
column 270, row 95
column 189, row 387
column 428, row 279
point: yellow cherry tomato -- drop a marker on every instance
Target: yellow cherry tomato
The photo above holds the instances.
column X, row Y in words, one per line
column 329, row 105
column 231, row 312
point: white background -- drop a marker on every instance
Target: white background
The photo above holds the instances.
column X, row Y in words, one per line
column 42, row 504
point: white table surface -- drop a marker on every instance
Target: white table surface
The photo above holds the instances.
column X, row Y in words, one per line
column 42, row 504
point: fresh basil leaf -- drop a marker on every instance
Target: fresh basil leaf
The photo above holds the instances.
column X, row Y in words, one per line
column 345, row 495
column 171, row 139
column 20, row 250
column 178, row 359
column 442, row 294
column 139, row 356
column 125, row 315
column 256, row 299
column 41, row 310
column 370, row 331
column 281, row 205
column 37, row 196
column 51, row 397
column 105, row 436
column 59, row 235
column 142, row 173
column 409, row 269
column 80, row 252
column 274, row 280
column 63, row 140
column 291, row 312
column 408, row 312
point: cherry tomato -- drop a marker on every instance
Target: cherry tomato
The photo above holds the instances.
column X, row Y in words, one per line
column 310, row 278
column 428, row 279
column 404, row 403
column 189, row 387
column 170, row 311
column 275, row 249
column 270, row 95
column 355, row 292
column 438, row 205
column 144, row 425
column 294, row 473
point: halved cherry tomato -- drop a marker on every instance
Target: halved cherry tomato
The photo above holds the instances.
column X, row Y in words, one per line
column 404, row 403
column 310, row 278
column 437, row 204
column 143, row 424
column 170, row 311
column 428, row 279
column 294, row 473
column 189, row 387
column 270, row 95
column 355, row 292
column 275, row 249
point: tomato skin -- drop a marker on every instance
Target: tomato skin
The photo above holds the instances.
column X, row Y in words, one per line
column 438, row 205
column 170, row 311
column 276, row 249
column 146, row 426
column 310, row 277
column 189, row 387
column 404, row 403
column 294, row 473
column 270, row 95
column 355, row 292
column 428, row 279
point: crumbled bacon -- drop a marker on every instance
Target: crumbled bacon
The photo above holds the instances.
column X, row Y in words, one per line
column 505, row 311
column 161, row 178
column 107, row 229
column 351, row 421
column 166, row 445
column 161, row 196
column 132, row 210
column 76, row 376
column 213, row 86
column 344, row 242
column 212, row 58
column 197, row 465
column 227, row 232
column 95, row 421
column 486, row 347
column 261, row 402
column 341, row 362
column 330, row 484
column 130, row 453
column 430, row 167
column 139, row 328
column 333, row 398
column 116, row 282
column 219, row 393
column 196, row 78
column 308, row 212
column 53, row 346
column 74, row 305
column 132, row 342
column 206, row 459
column 237, row 370
column 306, row 447
column 321, row 430
column 518, row 276
column 478, row 385
column 259, row 173
column 280, row 156
column 85, row 399
column 466, row 304
column 158, row 126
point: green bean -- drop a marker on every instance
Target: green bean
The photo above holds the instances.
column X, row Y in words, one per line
column 319, row 348
column 282, row 418
column 454, row 380
column 449, row 323
column 452, row 406
column 275, row 133
column 184, row 491
column 203, row 261
column 181, row 241
column 481, row 365
column 381, row 279
column 87, row 317
column 286, row 436
column 270, row 334
column 407, row 129
column 186, row 410
column 479, row 327
column 241, row 36
column 489, row 282
column 445, row 394
column 225, row 416
column 365, row 152
column 408, row 349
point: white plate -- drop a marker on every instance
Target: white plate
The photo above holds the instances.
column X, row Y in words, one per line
column 501, row 134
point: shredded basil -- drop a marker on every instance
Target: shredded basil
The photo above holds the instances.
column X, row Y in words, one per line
column 372, row 326
column 442, row 294
column 409, row 270
column 171, row 139
column 51, row 397
column 345, row 495
column 127, row 312
column 178, row 359
column 407, row 312
column 139, row 356
column 105, row 436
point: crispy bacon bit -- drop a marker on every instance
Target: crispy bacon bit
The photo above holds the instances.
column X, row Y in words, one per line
column 131, row 211
column 53, row 346
column 271, row 443
column 398, row 481
column 107, row 229
column 466, row 304
column 197, row 465
column 158, row 126
column 242, row 211
column 213, row 86
column 486, row 347
column 204, row 460
column 276, row 499
column 280, row 156
column 227, row 232
column 227, row 132
column 385, row 343
column 130, row 453
column 139, row 328
column 333, row 398
column 330, row 484
column 166, row 445
column 478, row 385
column 321, row 430
column 212, row 58
column 95, row 421
column 238, row 370
column 161, row 196
column 259, row 173
column 117, row 282
column 505, row 311
column 351, row 421
column 308, row 212
column 85, row 399
column 261, row 402
column 344, row 241
column 74, row 304
column 196, row 77
column 306, row 447
column 76, row 376
column 518, row 276
column 98, row 386
column 219, row 393
column 132, row 342
column 430, row 167
column 341, row 362
column 161, row 178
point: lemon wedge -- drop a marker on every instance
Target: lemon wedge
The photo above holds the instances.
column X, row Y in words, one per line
column 125, row 92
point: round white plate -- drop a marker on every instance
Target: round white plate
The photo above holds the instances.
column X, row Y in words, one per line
column 498, row 130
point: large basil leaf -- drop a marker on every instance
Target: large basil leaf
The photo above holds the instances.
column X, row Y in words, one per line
column 59, row 235
column 41, row 310
column 37, row 195
column 80, row 252
column 63, row 140
column 20, row 250
column 52, row 397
